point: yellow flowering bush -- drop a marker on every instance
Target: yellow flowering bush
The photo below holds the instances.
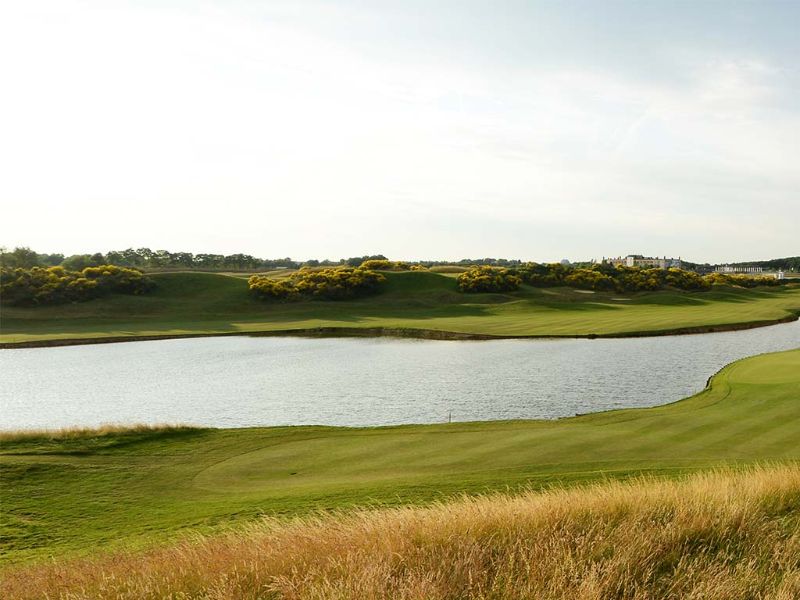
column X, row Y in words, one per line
column 338, row 283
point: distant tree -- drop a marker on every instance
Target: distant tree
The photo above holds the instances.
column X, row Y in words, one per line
column 209, row 261
column 354, row 261
column 146, row 256
column 115, row 257
column 78, row 262
column 51, row 260
column 20, row 257
column 182, row 259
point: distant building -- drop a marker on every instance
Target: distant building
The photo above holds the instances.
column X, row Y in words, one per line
column 744, row 269
column 645, row 262
column 750, row 270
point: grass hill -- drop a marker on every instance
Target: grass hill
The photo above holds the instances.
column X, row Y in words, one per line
column 209, row 303
column 714, row 536
column 75, row 491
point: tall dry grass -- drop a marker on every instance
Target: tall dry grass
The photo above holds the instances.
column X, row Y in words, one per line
column 713, row 536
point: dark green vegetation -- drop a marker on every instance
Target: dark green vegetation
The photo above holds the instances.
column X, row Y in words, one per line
column 339, row 283
column 206, row 303
column 78, row 492
column 791, row 263
column 56, row 285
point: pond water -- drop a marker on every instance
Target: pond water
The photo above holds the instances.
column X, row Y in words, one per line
column 247, row 381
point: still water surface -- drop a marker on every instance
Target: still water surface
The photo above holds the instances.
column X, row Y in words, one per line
column 242, row 381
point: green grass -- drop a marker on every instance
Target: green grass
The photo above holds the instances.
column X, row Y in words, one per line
column 78, row 492
column 207, row 303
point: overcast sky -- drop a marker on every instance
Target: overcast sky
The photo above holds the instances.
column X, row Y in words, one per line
column 417, row 129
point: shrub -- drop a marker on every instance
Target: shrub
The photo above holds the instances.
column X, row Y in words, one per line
column 385, row 265
column 686, row 280
column 740, row 280
column 339, row 283
column 589, row 279
column 543, row 275
column 57, row 285
column 630, row 279
column 635, row 279
column 488, row 279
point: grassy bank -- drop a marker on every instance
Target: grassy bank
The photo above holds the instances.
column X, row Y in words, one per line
column 67, row 494
column 206, row 304
column 713, row 536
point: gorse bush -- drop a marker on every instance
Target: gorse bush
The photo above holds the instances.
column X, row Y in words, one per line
column 588, row 279
column 488, row 279
column 600, row 277
column 740, row 280
column 687, row 280
column 603, row 277
column 385, row 265
column 329, row 284
column 57, row 285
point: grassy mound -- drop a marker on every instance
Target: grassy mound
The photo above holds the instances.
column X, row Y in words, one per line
column 713, row 536
column 81, row 493
column 209, row 303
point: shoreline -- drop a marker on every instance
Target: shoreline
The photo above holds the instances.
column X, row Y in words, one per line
column 398, row 332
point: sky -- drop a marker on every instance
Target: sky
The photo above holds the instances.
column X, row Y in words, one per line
column 416, row 129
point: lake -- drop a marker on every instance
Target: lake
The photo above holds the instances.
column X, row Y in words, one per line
column 250, row 381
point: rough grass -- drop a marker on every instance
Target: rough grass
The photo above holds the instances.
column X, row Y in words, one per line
column 207, row 303
column 712, row 536
column 106, row 430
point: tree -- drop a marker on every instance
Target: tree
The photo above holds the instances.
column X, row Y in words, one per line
column 20, row 257
column 78, row 262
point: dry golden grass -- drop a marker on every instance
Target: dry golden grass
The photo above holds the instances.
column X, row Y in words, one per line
column 712, row 536
column 82, row 432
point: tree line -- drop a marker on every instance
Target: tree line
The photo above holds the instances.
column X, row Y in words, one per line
column 145, row 258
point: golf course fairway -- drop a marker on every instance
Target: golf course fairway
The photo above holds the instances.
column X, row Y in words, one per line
column 80, row 492
column 423, row 304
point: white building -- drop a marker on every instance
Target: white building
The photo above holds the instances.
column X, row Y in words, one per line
column 739, row 269
column 645, row 262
